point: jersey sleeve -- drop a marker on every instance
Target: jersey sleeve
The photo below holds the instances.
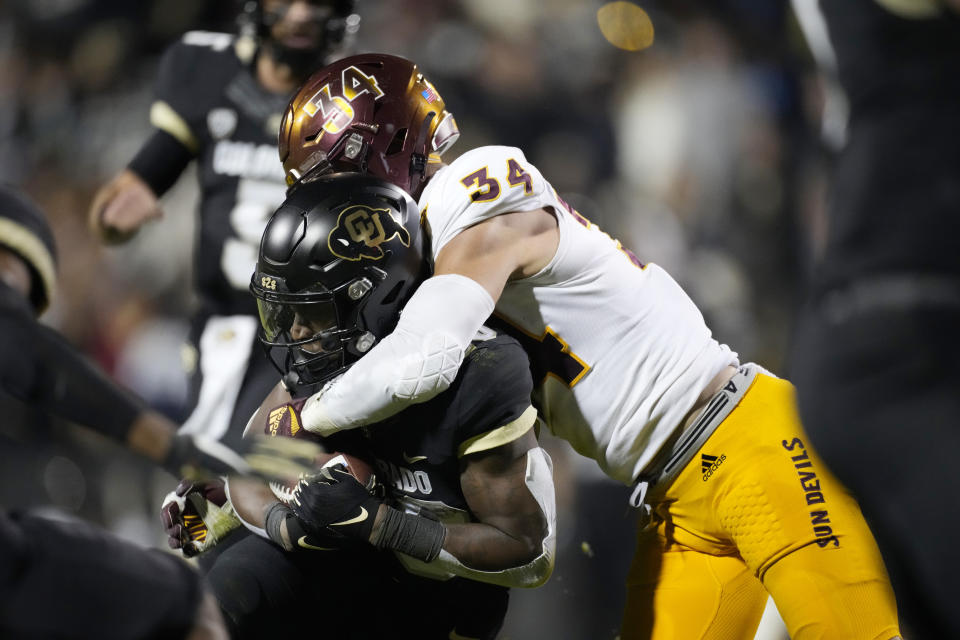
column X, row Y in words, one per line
column 493, row 396
column 43, row 369
column 480, row 184
column 187, row 82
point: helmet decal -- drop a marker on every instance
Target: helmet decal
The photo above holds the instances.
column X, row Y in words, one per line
column 356, row 82
column 371, row 113
column 335, row 110
column 361, row 230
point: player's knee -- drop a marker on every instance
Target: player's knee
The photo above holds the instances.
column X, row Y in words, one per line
column 844, row 593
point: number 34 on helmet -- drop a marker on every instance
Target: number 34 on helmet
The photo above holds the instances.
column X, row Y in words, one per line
column 371, row 113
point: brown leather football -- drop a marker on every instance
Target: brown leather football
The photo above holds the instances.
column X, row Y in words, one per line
column 355, row 466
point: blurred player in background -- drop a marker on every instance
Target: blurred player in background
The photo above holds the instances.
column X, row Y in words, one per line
column 42, row 369
column 219, row 101
column 69, row 579
column 469, row 506
column 876, row 353
column 623, row 365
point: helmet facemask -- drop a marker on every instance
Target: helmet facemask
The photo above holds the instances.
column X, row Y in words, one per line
column 315, row 337
column 337, row 262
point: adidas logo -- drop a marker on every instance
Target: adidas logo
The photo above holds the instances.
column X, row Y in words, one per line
column 709, row 464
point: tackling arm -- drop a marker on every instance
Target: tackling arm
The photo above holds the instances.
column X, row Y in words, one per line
column 421, row 357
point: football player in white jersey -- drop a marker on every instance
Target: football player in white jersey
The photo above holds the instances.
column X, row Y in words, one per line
column 734, row 502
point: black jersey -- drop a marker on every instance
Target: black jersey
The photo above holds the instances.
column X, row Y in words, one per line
column 209, row 99
column 418, row 453
column 895, row 200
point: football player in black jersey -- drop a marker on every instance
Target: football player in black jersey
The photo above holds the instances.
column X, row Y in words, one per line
column 468, row 509
column 69, row 580
column 876, row 353
column 219, row 101
column 39, row 367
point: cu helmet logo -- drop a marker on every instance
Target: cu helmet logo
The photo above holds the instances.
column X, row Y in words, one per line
column 361, row 230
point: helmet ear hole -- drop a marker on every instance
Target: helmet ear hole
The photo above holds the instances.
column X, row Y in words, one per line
column 396, row 145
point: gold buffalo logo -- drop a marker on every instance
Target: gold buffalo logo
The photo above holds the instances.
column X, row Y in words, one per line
column 361, row 230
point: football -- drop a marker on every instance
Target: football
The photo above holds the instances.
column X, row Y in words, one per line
column 355, row 466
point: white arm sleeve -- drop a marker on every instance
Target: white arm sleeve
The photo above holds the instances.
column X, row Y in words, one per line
column 413, row 364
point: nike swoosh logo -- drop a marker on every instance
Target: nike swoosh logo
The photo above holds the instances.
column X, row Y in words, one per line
column 359, row 518
column 413, row 459
column 306, row 545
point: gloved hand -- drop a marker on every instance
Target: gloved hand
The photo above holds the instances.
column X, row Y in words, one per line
column 332, row 501
column 288, row 531
column 196, row 516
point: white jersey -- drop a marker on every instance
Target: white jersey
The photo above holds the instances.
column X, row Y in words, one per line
column 619, row 352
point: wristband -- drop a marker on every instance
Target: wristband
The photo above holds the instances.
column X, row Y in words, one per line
column 297, row 538
column 160, row 161
column 416, row 536
column 276, row 514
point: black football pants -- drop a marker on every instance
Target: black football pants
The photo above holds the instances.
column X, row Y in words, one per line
column 356, row 593
column 72, row 580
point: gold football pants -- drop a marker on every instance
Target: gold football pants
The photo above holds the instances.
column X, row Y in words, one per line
column 756, row 512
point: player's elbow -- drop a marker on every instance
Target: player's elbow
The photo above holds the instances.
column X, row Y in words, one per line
column 531, row 537
column 430, row 370
column 539, row 578
column 534, row 559
column 530, row 549
column 536, row 571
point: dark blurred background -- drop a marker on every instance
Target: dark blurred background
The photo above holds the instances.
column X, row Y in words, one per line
column 699, row 152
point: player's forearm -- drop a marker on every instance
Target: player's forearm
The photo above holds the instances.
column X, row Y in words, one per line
column 160, row 161
column 251, row 498
column 416, row 362
column 486, row 548
column 72, row 388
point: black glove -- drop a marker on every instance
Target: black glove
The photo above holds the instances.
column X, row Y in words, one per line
column 332, row 501
column 284, row 528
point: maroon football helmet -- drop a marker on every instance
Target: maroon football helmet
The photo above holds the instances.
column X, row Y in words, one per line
column 371, row 113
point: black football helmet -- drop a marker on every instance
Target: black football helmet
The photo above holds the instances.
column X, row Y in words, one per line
column 338, row 260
